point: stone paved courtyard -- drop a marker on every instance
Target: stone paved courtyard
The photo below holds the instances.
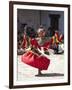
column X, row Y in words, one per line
column 55, row 70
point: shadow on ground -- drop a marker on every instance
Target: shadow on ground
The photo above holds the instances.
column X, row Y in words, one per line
column 50, row 75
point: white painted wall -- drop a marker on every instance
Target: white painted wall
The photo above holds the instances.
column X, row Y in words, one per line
column 32, row 18
column 46, row 19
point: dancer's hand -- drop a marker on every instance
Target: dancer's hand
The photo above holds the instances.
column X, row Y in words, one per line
column 27, row 49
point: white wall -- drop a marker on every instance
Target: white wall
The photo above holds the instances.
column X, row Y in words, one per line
column 4, row 45
column 31, row 17
column 46, row 19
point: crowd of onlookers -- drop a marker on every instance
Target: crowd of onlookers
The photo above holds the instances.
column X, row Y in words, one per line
column 56, row 37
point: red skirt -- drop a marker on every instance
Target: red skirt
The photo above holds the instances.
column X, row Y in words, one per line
column 35, row 60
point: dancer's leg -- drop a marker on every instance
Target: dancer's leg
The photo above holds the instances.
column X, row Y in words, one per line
column 39, row 72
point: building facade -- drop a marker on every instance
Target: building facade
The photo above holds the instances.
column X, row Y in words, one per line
column 35, row 18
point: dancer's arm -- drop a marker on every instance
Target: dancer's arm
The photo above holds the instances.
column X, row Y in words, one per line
column 35, row 50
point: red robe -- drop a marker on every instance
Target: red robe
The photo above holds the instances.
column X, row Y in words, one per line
column 56, row 38
column 35, row 60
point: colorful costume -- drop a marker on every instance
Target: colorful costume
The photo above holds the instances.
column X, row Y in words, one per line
column 55, row 41
column 34, row 59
